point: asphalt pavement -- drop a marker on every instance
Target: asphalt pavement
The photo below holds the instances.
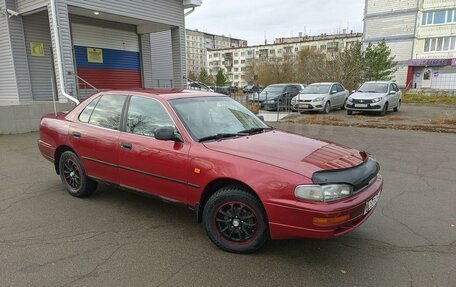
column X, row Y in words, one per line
column 117, row 238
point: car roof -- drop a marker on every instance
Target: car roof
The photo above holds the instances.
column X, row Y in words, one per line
column 323, row 83
column 379, row 82
column 166, row 94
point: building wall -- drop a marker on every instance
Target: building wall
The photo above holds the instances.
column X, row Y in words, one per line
column 390, row 26
column 388, row 6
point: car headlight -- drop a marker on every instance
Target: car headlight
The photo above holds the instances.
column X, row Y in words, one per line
column 323, row 193
column 350, row 99
column 318, row 99
column 376, row 100
column 270, row 101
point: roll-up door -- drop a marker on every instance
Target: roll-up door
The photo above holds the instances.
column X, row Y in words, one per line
column 106, row 58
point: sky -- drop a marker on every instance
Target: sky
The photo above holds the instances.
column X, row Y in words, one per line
column 252, row 20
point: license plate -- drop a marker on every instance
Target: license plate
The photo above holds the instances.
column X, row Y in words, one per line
column 371, row 203
column 305, row 106
column 361, row 105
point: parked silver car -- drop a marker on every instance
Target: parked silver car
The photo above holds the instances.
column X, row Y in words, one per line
column 321, row 97
column 379, row 96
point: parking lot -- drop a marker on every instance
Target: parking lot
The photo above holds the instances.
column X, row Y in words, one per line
column 117, row 238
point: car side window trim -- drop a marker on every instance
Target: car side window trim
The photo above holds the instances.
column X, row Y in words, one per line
column 96, row 100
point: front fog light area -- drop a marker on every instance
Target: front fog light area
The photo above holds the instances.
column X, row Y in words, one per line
column 323, row 193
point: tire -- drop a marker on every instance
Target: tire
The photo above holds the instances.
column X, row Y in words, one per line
column 396, row 109
column 222, row 220
column 349, row 112
column 327, row 108
column 73, row 176
column 385, row 109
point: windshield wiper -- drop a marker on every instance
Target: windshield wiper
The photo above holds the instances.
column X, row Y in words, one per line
column 255, row 130
column 221, row 136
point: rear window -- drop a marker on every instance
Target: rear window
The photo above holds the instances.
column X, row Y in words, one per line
column 107, row 112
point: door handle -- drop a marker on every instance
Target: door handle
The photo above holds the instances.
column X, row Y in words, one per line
column 76, row 134
column 126, row 145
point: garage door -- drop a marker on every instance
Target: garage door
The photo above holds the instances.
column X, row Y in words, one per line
column 106, row 58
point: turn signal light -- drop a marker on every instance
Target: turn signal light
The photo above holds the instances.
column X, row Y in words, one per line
column 331, row 220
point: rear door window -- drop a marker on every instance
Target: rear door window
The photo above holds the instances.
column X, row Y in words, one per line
column 107, row 112
column 87, row 112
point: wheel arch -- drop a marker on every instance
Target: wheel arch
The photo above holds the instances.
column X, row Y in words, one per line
column 58, row 153
column 215, row 185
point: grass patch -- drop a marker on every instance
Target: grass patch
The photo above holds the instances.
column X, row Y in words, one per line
column 421, row 98
column 322, row 120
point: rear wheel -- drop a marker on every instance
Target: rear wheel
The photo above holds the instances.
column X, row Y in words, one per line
column 327, row 108
column 235, row 220
column 73, row 176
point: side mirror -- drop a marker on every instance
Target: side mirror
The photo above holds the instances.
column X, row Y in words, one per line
column 333, row 92
column 392, row 92
column 168, row 134
column 353, row 91
column 261, row 118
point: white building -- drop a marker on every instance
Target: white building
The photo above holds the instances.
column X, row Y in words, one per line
column 234, row 61
column 421, row 34
column 197, row 44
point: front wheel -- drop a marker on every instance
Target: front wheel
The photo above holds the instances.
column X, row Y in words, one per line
column 73, row 176
column 384, row 110
column 349, row 112
column 343, row 105
column 235, row 220
column 327, row 108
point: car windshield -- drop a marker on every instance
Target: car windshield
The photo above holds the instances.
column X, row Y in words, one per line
column 216, row 117
column 273, row 90
column 373, row 88
column 316, row 89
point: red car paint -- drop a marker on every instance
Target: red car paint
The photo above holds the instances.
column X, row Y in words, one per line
column 272, row 164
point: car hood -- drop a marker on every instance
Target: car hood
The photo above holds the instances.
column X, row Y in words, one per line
column 289, row 151
column 360, row 96
column 309, row 96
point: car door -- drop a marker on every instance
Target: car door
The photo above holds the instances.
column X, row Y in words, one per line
column 333, row 96
column 95, row 136
column 398, row 94
column 392, row 96
column 340, row 95
column 145, row 163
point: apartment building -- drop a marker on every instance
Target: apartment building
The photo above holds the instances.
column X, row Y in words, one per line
column 422, row 36
column 234, row 61
column 433, row 65
column 199, row 42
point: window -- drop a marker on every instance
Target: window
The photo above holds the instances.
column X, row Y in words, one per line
column 395, row 87
column 145, row 116
column 433, row 44
column 236, row 62
column 427, row 45
column 427, row 75
column 87, row 112
column 339, row 88
column 438, row 17
column 107, row 112
column 439, row 44
column 322, row 47
column 242, row 61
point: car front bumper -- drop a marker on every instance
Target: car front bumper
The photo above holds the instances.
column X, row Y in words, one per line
column 373, row 107
column 308, row 106
column 296, row 219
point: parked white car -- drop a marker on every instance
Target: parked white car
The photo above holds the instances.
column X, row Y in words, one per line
column 321, row 97
column 379, row 96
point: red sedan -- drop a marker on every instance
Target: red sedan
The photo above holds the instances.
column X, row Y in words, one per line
column 246, row 181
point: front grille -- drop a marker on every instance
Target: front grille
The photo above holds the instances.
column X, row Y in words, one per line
column 356, row 101
column 304, row 101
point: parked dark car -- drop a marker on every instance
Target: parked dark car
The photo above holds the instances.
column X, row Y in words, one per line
column 250, row 89
column 246, row 181
column 277, row 96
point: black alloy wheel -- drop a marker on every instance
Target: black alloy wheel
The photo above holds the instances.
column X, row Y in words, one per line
column 235, row 220
column 73, row 176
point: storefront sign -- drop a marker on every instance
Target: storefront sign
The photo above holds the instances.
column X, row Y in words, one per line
column 95, row 55
column 417, row 75
column 36, row 49
column 436, row 74
column 429, row 62
column 453, row 62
